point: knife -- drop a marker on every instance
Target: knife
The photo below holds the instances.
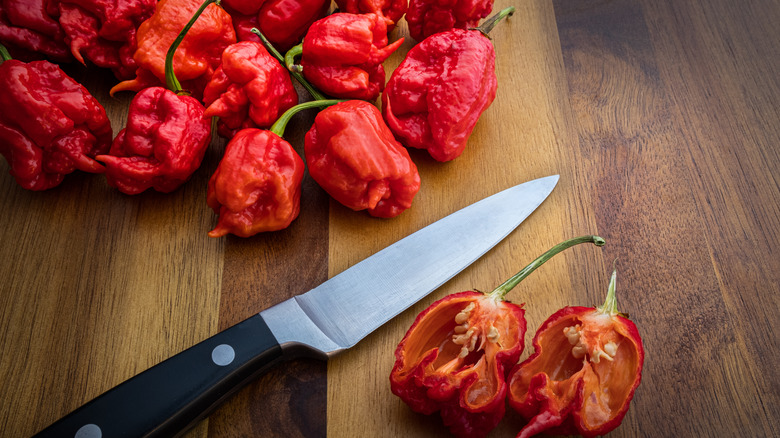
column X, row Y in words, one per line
column 174, row 395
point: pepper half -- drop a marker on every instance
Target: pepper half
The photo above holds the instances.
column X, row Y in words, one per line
column 586, row 365
column 454, row 357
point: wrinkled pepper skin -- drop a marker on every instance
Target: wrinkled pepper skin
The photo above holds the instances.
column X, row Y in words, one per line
column 196, row 58
column 283, row 22
column 163, row 144
column 250, row 89
column 353, row 156
column 104, row 31
column 257, row 185
column 342, row 55
column 436, row 95
column 390, row 10
column 454, row 359
column 49, row 124
column 30, row 29
column 586, row 365
column 427, row 17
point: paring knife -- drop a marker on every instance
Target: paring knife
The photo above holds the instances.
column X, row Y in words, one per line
column 172, row 396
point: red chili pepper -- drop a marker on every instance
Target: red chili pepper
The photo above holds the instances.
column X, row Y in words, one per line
column 250, row 89
column 435, row 97
column 198, row 55
column 104, row 31
column 257, row 185
column 353, row 156
column 50, row 125
column 390, row 10
column 454, row 357
column 166, row 135
column 427, row 17
column 32, row 26
column 284, row 22
column 586, row 365
column 342, row 55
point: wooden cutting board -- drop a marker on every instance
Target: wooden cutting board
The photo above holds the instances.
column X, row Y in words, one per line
column 661, row 118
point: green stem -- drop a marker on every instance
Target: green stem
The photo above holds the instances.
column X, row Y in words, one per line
column 501, row 291
column 279, row 126
column 4, row 53
column 488, row 25
column 296, row 74
column 170, row 77
column 610, row 305
column 289, row 58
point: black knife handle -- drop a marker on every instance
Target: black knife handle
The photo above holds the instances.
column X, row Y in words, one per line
column 172, row 396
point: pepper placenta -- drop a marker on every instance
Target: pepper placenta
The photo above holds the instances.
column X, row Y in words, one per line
column 257, row 184
column 353, row 156
column 166, row 135
column 390, row 10
column 50, row 125
column 342, row 55
column 250, row 89
column 454, row 357
column 586, row 365
column 198, row 55
column 427, row 17
column 436, row 95
column 283, row 22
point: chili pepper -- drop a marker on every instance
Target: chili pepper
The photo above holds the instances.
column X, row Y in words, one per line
column 257, row 184
column 166, row 135
column 284, row 22
column 199, row 53
column 250, row 89
column 104, row 31
column 586, row 365
column 436, row 95
column 353, row 156
column 454, row 357
column 32, row 26
column 390, row 10
column 427, row 17
column 342, row 55
column 50, row 125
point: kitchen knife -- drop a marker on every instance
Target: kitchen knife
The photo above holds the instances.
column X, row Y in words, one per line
column 172, row 396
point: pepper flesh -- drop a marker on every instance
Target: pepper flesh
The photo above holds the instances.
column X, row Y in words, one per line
column 283, row 22
column 582, row 375
column 32, row 27
column 435, row 97
column 250, row 89
column 257, row 185
column 342, row 55
column 50, row 124
column 353, row 156
column 390, row 10
column 453, row 360
column 427, row 17
column 196, row 58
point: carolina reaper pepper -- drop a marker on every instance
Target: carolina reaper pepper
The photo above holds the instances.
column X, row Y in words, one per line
column 454, row 357
column 436, row 95
column 427, row 17
column 50, row 125
column 198, row 55
column 586, row 365
column 353, row 156
column 33, row 27
column 104, row 31
column 166, row 136
column 342, row 55
column 250, row 89
column 390, row 10
column 257, row 185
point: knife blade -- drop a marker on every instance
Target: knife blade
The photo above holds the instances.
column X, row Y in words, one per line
column 174, row 395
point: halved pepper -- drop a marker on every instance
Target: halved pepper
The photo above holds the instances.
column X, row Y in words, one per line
column 455, row 356
column 586, row 365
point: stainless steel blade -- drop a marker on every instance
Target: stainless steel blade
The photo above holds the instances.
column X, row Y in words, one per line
column 343, row 310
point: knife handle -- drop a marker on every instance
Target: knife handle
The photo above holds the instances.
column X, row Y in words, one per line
column 172, row 396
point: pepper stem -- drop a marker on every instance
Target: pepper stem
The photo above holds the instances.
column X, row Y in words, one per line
column 170, row 76
column 4, row 54
column 279, row 125
column 296, row 74
column 289, row 58
column 501, row 291
column 610, row 305
column 491, row 22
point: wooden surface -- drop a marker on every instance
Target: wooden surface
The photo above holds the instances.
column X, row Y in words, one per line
column 663, row 120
